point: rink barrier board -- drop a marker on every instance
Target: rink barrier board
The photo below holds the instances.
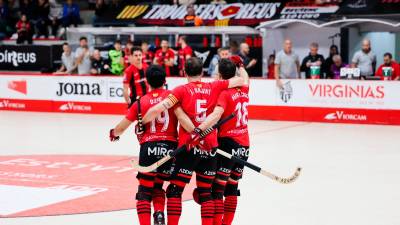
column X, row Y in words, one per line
column 279, row 113
column 336, row 101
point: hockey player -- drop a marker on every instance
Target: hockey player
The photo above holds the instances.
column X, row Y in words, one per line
column 158, row 138
column 197, row 100
column 233, row 138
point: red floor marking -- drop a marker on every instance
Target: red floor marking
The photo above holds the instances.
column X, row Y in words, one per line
column 33, row 185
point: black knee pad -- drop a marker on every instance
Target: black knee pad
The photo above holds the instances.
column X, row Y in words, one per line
column 174, row 191
column 204, row 194
column 232, row 190
column 218, row 191
column 158, row 186
column 144, row 193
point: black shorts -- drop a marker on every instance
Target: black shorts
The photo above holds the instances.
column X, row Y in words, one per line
column 227, row 168
column 202, row 162
column 151, row 152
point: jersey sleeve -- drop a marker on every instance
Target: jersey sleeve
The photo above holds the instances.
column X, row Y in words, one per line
column 221, row 85
column 176, row 95
column 188, row 52
column 127, row 76
column 132, row 113
column 223, row 100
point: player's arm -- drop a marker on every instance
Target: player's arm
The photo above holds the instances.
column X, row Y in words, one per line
column 212, row 118
column 122, row 126
column 154, row 111
column 243, row 74
column 184, row 119
column 126, row 94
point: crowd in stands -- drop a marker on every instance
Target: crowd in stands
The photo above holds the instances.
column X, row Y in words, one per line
column 287, row 65
column 87, row 60
column 27, row 19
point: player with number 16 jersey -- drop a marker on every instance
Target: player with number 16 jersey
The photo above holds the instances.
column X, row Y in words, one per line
column 233, row 138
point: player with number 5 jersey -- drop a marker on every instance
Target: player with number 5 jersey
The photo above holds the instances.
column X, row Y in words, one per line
column 197, row 100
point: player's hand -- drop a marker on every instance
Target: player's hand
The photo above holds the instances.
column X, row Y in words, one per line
column 237, row 60
column 139, row 129
column 195, row 137
column 112, row 136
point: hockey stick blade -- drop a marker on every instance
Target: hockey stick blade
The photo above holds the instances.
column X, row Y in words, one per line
column 282, row 180
column 154, row 166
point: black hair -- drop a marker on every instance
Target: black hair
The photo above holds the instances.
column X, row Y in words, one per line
column 155, row 76
column 65, row 43
column 388, row 54
column 82, row 38
column 194, row 67
column 226, row 68
column 135, row 48
column 117, row 42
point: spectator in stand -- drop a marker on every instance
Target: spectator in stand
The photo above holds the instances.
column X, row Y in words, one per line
column 287, row 64
column 116, row 57
column 55, row 16
column 68, row 65
column 222, row 53
column 389, row 70
column 26, row 7
column 312, row 63
column 365, row 60
column 333, row 50
column 4, row 18
column 244, row 52
column 41, row 14
column 134, row 77
column 165, row 57
column 271, row 67
column 24, row 30
column 82, row 57
column 100, row 66
column 99, row 10
column 234, row 47
column 191, row 20
column 334, row 71
column 184, row 53
column 127, row 52
column 71, row 14
column 147, row 55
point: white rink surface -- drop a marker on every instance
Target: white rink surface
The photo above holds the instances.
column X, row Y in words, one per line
column 351, row 173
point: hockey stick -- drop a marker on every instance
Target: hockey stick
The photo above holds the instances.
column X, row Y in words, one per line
column 154, row 166
column 282, row 180
column 140, row 129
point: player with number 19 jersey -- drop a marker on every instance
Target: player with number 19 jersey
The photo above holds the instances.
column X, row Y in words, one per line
column 235, row 100
column 198, row 100
column 164, row 127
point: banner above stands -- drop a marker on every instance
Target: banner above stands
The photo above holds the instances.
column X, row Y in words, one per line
column 244, row 14
column 343, row 101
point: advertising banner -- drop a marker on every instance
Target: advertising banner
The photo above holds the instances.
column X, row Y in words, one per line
column 26, row 57
column 337, row 101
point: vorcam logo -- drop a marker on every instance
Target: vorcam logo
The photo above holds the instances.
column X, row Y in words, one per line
column 340, row 115
column 6, row 104
column 17, row 57
column 70, row 106
column 18, row 86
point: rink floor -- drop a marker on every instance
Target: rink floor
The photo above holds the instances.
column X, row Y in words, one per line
column 351, row 173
